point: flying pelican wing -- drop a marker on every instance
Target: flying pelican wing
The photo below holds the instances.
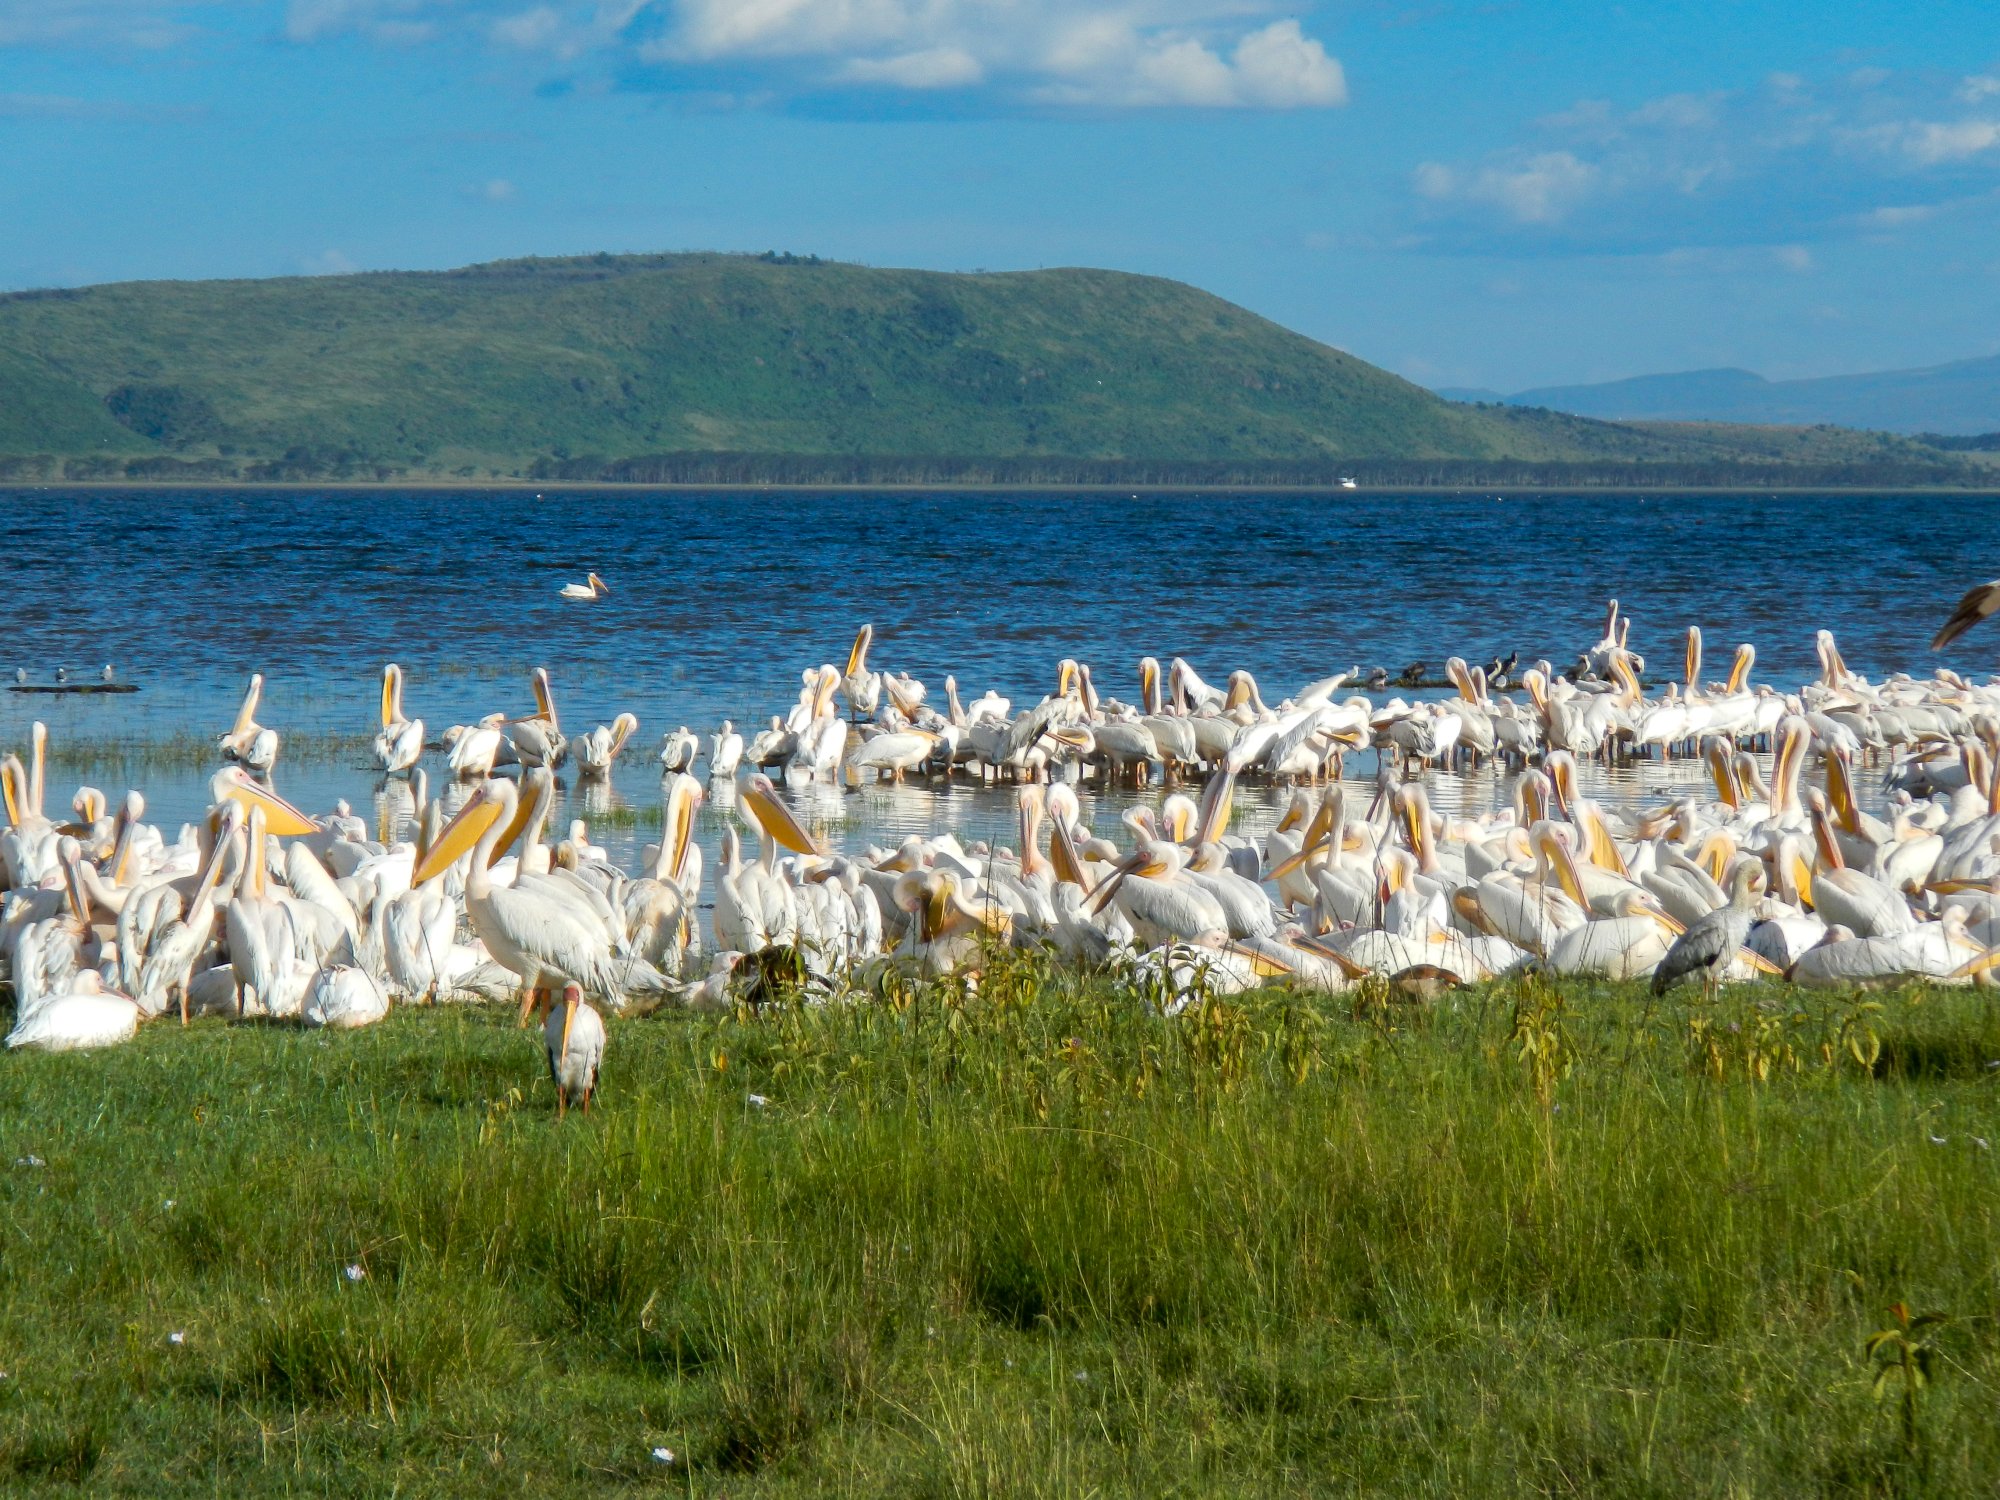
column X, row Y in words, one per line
column 1980, row 601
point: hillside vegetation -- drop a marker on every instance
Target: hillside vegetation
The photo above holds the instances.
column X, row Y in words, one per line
column 759, row 368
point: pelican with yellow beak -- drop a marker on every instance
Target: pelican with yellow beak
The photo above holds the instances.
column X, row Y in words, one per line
column 543, row 941
column 659, row 908
column 596, row 751
column 400, row 744
column 589, row 591
column 862, row 687
column 538, row 739
column 248, row 741
column 573, row 1036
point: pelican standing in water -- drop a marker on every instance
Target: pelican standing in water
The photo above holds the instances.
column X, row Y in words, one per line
column 591, row 589
column 862, row 687
column 596, row 751
column 401, row 743
column 248, row 741
column 538, row 739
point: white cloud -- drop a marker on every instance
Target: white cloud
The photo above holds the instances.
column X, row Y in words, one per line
column 145, row 25
column 494, row 190
column 1896, row 215
column 1930, row 142
column 1212, row 54
column 1275, row 67
column 1796, row 258
column 530, row 30
column 400, row 23
column 1780, row 165
column 931, row 68
column 1538, row 189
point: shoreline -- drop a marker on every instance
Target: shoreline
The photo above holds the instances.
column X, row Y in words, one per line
column 477, row 486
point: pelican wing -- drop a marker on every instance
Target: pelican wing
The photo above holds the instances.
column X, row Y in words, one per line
column 1980, row 601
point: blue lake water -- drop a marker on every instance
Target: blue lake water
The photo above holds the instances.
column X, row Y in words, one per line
column 719, row 599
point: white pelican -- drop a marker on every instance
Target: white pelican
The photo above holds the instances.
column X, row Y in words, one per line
column 891, row 753
column 596, row 751
column 401, row 743
column 592, row 588
column 538, row 938
column 343, row 996
column 678, row 750
column 659, row 908
column 573, row 1038
column 85, row 1015
column 248, row 741
column 725, row 751
column 538, row 739
column 475, row 748
column 862, row 687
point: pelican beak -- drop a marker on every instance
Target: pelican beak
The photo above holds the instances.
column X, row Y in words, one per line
column 1149, row 684
column 680, row 825
column 1263, row 965
column 535, row 790
column 11, row 776
column 1129, row 865
column 1802, row 878
column 1305, row 854
column 1668, row 922
column 1693, row 657
column 1413, row 821
column 1840, row 792
column 545, row 698
column 1740, row 672
column 1062, row 854
column 858, row 657
column 1760, row 963
column 1216, row 801
column 570, row 996
column 457, row 837
column 281, row 819
column 776, row 820
column 388, row 694
column 1066, row 678
column 1972, row 968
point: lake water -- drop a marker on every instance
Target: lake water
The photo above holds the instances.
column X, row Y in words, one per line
column 720, row 599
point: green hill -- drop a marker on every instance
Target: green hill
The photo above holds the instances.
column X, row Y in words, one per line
column 771, row 367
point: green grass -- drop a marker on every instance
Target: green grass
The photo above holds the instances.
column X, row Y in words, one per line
column 760, row 368
column 1038, row 1242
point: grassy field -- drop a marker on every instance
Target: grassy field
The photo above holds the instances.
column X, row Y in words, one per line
column 1038, row 1242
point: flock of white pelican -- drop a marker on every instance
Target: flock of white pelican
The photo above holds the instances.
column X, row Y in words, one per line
column 1767, row 865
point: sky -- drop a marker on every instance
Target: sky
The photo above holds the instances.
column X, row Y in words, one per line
column 1495, row 195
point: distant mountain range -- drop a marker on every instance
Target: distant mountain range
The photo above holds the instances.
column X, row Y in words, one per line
column 1960, row 398
column 780, row 369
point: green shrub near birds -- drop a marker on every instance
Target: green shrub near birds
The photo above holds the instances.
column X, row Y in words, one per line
column 1033, row 1240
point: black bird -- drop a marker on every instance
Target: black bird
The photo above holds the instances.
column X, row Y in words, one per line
column 1414, row 674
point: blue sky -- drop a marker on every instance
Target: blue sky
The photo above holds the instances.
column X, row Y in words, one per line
column 1471, row 194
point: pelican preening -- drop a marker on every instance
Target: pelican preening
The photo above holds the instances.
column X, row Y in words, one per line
column 1761, row 861
column 591, row 589
column 401, row 743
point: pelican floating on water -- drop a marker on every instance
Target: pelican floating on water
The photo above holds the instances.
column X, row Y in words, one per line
column 592, row 588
